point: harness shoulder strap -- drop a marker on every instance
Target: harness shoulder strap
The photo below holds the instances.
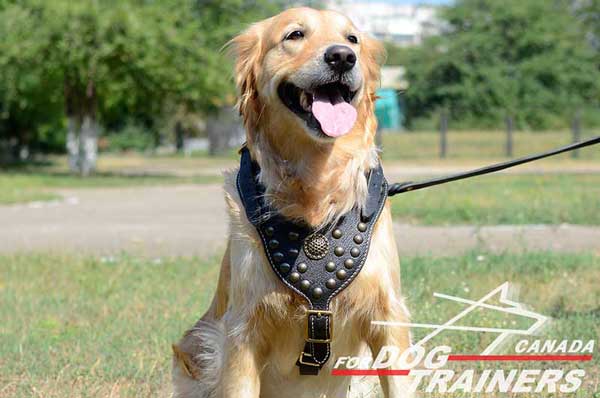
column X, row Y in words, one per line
column 316, row 264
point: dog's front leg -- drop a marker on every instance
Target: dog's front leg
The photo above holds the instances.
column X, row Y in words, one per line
column 241, row 373
column 391, row 336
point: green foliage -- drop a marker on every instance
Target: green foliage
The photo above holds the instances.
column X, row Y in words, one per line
column 589, row 12
column 130, row 138
column 123, row 61
column 525, row 58
column 395, row 55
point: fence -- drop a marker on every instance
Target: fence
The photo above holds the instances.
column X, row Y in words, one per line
column 505, row 142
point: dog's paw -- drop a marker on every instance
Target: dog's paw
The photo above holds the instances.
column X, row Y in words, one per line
column 198, row 361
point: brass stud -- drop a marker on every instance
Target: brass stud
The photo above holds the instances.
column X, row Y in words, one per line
column 278, row 257
column 349, row 263
column 294, row 277
column 294, row 252
column 330, row 266
column 269, row 231
column 362, row 227
column 317, row 292
column 305, row 285
column 273, row 244
column 337, row 233
column 293, row 235
column 355, row 252
column 284, row 268
column 331, row 283
column 339, row 251
column 358, row 239
column 341, row 274
column 302, row 268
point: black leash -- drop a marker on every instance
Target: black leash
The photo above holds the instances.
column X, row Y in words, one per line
column 413, row 186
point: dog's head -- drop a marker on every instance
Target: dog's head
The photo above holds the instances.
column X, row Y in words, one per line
column 307, row 74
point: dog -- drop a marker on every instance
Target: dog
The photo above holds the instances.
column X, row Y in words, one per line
column 306, row 81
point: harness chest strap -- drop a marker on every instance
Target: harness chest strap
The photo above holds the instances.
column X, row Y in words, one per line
column 315, row 264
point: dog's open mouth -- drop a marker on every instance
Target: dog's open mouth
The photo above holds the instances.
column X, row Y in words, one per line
column 326, row 108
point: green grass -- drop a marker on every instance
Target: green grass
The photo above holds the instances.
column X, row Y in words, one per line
column 505, row 199
column 83, row 327
column 20, row 187
column 89, row 327
column 424, row 145
column 561, row 286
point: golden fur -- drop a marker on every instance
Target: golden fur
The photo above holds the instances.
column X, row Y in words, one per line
column 247, row 343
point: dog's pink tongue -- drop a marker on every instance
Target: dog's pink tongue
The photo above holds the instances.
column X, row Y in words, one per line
column 335, row 119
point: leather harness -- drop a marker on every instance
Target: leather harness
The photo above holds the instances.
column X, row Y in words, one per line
column 316, row 264
column 319, row 264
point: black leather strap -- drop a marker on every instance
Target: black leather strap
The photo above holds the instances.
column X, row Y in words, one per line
column 315, row 264
column 398, row 188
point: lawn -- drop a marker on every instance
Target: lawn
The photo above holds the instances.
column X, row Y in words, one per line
column 25, row 186
column 424, row 145
column 505, row 199
column 99, row 327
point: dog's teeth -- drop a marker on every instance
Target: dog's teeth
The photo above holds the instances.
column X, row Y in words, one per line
column 304, row 102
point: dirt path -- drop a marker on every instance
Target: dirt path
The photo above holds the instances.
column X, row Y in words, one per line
column 191, row 220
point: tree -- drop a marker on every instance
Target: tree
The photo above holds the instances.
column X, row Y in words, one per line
column 107, row 61
column 527, row 58
column 589, row 12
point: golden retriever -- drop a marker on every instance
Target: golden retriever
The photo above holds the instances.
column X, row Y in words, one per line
column 307, row 83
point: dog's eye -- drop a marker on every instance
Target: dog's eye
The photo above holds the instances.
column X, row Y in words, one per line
column 352, row 39
column 295, row 35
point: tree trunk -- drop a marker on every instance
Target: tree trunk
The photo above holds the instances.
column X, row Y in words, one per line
column 225, row 130
column 83, row 128
column 73, row 143
column 88, row 145
column 179, row 137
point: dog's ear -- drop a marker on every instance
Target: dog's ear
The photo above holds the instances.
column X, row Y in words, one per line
column 373, row 54
column 247, row 51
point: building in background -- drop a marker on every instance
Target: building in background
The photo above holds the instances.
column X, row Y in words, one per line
column 401, row 24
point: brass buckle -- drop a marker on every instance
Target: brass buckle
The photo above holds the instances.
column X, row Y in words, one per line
column 316, row 365
column 319, row 313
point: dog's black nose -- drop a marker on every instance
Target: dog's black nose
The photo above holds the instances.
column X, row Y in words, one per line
column 340, row 58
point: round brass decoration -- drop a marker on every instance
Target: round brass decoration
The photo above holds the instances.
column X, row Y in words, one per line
column 317, row 292
column 316, row 246
column 337, row 233
column 341, row 274
column 294, row 277
column 330, row 266
column 273, row 244
column 358, row 239
column 355, row 252
column 349, row 263
column 339, row 251
column 305, row 285
column 284, row 268
column 302, row 267
column 331, row 283
column 362, row 227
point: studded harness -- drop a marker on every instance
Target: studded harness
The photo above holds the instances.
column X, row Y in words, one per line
column 316, row 264
column 319, row 264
